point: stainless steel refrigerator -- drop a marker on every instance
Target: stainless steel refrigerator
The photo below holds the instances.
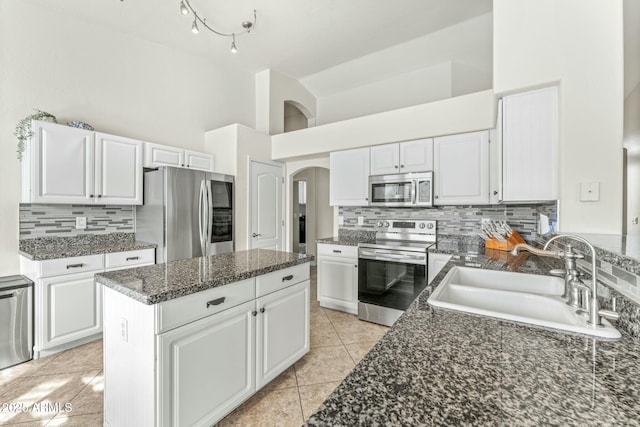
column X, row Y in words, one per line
column 186, row 213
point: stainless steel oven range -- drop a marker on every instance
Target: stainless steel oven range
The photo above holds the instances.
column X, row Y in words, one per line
column 392, row 271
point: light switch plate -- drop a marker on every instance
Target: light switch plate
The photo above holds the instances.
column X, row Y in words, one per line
column 589, row 191
column 81, row 222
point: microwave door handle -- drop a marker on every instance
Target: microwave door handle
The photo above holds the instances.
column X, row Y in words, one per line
column 414, row 192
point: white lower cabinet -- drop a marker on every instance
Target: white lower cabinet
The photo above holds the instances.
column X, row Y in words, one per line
column 436, row 263
column 186, row 362
column 283, row 331
column 338, row 277
column 68, row 301
column 71, row 309
column 206, row 367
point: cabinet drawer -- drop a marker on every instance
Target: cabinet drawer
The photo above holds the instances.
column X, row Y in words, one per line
column 281, row 279
column 180, row 311
column 130, row 258
column 338, row 250
column 79, row 264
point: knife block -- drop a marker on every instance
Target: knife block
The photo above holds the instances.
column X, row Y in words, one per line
column 513, row 240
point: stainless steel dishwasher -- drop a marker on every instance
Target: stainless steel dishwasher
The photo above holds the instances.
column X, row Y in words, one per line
column 16, row 320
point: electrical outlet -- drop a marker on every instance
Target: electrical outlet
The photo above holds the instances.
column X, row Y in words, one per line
column 81, row 222
column 360, row 220
column 124, row 329
column 340, row 219
column 484, row 221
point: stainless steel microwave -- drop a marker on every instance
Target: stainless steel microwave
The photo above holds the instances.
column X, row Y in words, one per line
column 409, row 189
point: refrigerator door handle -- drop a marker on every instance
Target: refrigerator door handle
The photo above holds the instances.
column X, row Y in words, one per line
column 209, row 213
column 201, row 219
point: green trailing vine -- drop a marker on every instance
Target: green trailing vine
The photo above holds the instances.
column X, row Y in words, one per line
column 23, row 129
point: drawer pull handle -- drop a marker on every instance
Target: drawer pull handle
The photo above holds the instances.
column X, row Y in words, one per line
column 216, row 301
column 335, row 251
column 262, row 310
column 133, row 258
column 289, row 277
column 74, row 266
column 6, row 296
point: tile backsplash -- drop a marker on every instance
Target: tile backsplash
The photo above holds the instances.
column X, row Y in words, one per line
column 60, row 220
column 456, row 220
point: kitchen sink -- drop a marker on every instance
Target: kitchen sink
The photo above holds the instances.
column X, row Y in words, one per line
column 519, row 297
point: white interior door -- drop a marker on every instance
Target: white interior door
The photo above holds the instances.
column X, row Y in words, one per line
column 266, row 189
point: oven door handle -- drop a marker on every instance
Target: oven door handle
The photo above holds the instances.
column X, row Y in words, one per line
column 378, row 256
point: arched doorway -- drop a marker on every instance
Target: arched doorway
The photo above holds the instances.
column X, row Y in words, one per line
column 296, row 117
column 312, row 216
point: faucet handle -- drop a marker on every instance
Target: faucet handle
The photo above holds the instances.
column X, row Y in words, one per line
column 558, row 272
column 609, row 314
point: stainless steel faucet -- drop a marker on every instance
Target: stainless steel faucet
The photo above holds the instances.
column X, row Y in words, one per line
column 590, row 303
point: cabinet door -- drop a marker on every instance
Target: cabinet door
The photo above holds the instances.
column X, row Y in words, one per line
column 283, row 331
column 70, row 309
column 461, row 169
column 530, row 146
column 338, row 283
column 118, row 170
column 349, row 177
column 385, row 159
column 156, row 155
column 416, row 156
column 206, row 368
column 61, row 167
column 436, row 263
column 200, row 161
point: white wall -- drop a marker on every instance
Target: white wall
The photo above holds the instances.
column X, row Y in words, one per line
column 272, row 90
column 232, row 145
column 631, row 141
column 577, row 43
column 403, row 90
column 466, row 113
column 78, row 70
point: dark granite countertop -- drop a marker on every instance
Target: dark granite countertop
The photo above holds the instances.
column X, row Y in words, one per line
column 45, row 248
column 440, row 367
column 162, row 282
column 344, row 240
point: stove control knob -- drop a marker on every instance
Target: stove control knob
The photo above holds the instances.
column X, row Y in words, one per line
column 386, row 223
column 429, row 226
column 421, row 225
column 380, row 223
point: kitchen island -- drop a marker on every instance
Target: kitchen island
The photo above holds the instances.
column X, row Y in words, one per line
column 188, row 341
column 440, row 367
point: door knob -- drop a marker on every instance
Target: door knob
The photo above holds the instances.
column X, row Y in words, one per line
column 255, row 235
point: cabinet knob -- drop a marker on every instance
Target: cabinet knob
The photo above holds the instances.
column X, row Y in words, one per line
column 436, row 196
column 90, row 195
column 396, row 166
column 99, row 195
column 401, row 166
column 356, row 266
column 262, row 310
column 495, row 192
column 254, row 313
column 182, row 165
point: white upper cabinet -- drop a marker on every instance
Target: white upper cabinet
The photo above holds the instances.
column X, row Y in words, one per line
column 416, row 156
column 385, row 159
column 62, row 164
column 156, row 155
column 57, row 165
column 530, row 146
column 118, row 170
column 461, row 169
column 403, row 157
column 349, row 177
column 196, row 160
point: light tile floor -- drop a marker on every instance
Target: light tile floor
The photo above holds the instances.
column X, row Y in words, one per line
column 74, row 377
